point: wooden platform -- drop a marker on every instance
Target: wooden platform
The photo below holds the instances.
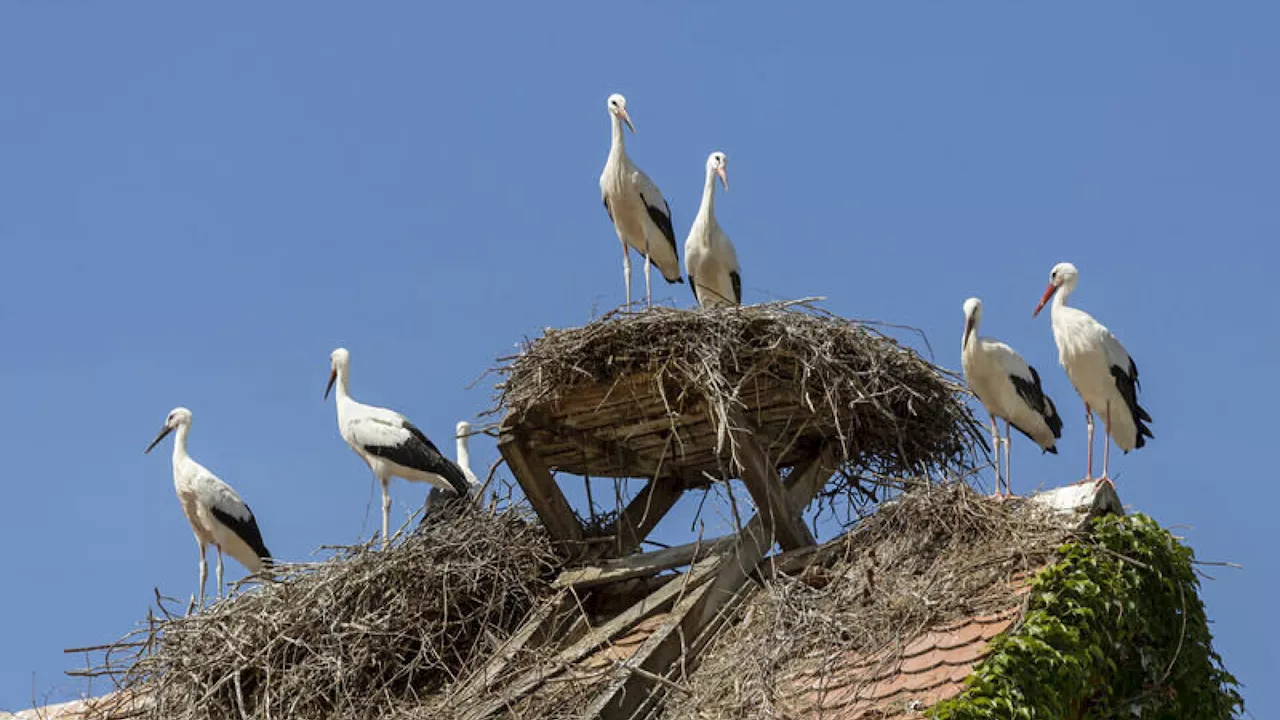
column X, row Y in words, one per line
column 642, row 427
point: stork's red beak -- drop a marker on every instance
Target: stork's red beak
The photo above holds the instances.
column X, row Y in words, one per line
column 333, row 375
column 622, row 112
column 1048, row 293
column 723, row 179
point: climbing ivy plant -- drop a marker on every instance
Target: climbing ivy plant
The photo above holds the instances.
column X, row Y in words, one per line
column 1115, row 629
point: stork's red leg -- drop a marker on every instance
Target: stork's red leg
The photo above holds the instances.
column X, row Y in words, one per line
column 1106, row 453
column 995, row 446
column 1008, row 440
column 1088, row 417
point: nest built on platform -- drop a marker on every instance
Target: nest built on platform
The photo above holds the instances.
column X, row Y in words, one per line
column 661, row 394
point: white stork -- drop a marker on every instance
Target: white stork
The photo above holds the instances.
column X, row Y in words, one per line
column 709, row 258
column 463, row 432
column 1099, row 368
column 217, row 515
column 388, row 442
column 639, row 213
column 1008, row 388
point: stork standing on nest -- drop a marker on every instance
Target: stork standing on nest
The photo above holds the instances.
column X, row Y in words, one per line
column 463, row 454
column 1100, row 369
column 709, row 257
column 217, row 515
column 388, row 442
column 639, row 213
column 1008, row 388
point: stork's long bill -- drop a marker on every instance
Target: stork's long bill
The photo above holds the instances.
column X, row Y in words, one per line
column 968, row 331
column 163, row 432
column 333, row 375
column 622, row 113
column 1044, row 299
column 724, row 180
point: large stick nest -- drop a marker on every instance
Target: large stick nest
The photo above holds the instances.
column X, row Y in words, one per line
column 357, row 636
column 657, row 393
column 939, row 554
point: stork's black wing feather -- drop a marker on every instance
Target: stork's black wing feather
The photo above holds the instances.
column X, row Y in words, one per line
column 419, row 453
column 1033, row 394
column 1127, row 385
column 662, row 218
column 246, row 530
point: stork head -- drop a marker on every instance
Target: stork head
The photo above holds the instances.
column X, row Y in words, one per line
column 339, row 360
column 972, row 316
column 178, row 417
column 1062, row 277
column 618, row 109
column 463, row 429
column 716, row 163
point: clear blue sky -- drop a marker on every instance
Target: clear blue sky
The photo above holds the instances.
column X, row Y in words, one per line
column 197, row 205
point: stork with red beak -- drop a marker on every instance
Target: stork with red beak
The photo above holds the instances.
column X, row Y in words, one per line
column 1100, row 369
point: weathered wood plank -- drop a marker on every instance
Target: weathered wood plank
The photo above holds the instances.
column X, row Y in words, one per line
column 644, row 512
column 644, row 564
column 647, row 606
column 539, row 486
column 782, row 518
column 627, row 691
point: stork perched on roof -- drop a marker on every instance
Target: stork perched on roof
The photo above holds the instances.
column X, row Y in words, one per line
column 388, row 442
column 1009, row 388
column 437, row 496
column 217, row 515
column 709, row 258
column 639, row 213
column 1100, row 369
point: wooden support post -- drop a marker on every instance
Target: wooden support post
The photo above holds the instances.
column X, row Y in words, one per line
column 782, row 517
column 645, row 511
column 538, row 484
column 678, row 587
column 627, row 691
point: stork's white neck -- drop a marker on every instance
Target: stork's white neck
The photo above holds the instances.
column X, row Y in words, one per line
column 464, row 455
column 180, row 443
column 618, row 144
column 340, row 385
column 1060, row 297
column 708, row 205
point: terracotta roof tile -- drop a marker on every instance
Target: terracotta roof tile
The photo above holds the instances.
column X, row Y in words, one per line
column 896, row 682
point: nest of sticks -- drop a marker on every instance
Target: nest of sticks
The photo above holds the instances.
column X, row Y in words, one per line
column 937, row 554
column 659, row 393
column 362, row 635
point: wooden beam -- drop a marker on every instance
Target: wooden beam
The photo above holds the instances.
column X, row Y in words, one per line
column 642, row 565
column 530, row 681
column 781, row 516
column 539, row 486
column 645, row 511
column 628, row 691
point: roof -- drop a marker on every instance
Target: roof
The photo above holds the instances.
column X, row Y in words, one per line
column 929, row 669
